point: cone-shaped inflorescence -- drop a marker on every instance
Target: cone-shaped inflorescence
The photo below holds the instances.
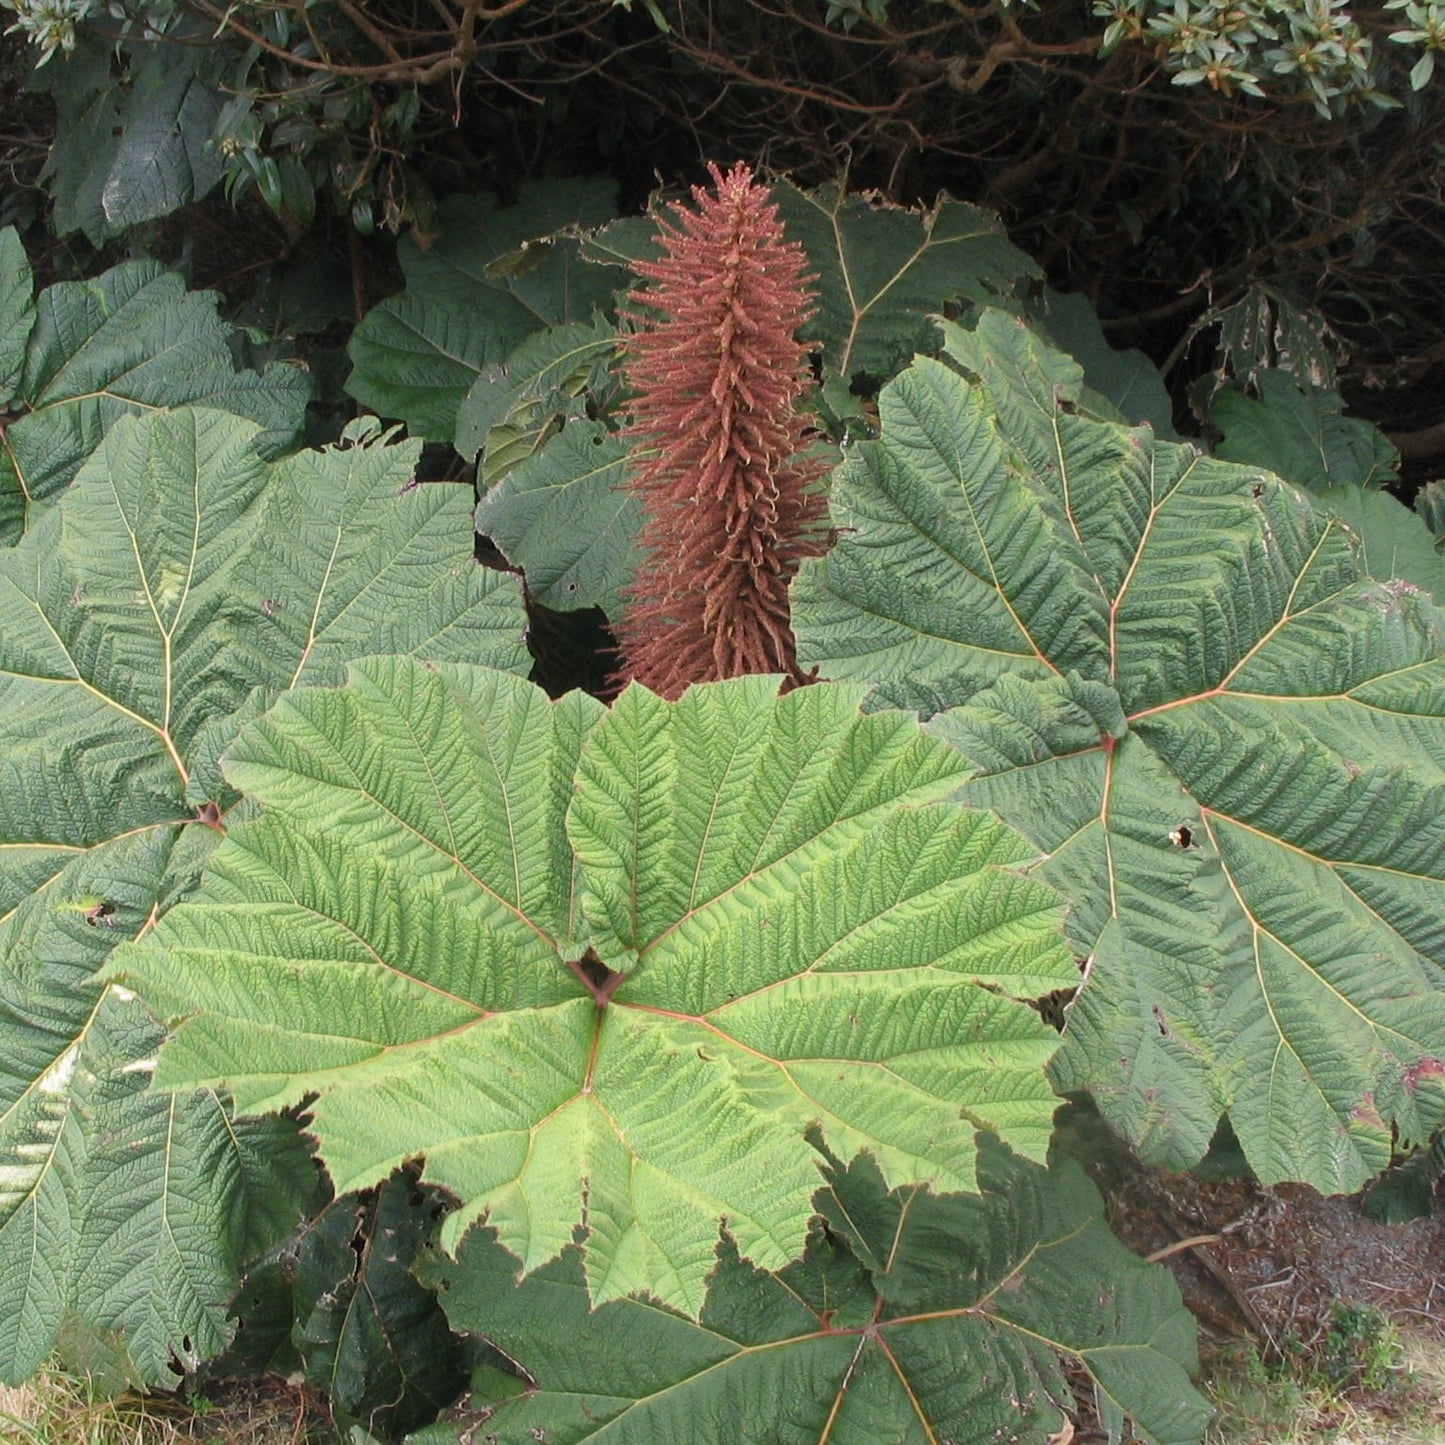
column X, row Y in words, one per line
column 715, row 435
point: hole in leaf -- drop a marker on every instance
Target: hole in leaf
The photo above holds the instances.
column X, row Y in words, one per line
column 100, row 913
column 1182, row 836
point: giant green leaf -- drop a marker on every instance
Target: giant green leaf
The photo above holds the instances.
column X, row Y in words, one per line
column 17, row 312
column 880, row 270
column 478, row 288
column 1127, row 379
column 607, row 969
column 912, row 1317
column 1397, row 542
column 133, row 339
column 180, row 579
column 565, row 518
column 549, row 472
column 119, row 1208
column 1173, row 676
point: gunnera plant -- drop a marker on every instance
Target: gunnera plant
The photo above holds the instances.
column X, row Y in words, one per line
column 717, row 440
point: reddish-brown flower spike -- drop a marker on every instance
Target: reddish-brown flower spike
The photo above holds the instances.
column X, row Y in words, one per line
column 715, row 435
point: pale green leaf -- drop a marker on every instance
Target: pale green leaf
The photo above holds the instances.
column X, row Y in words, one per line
column 120, row 1208
column 915, row 1318
column 180, row 581
column 1173, row 676
column 801, row 934
column 132, row 340
column 512, row 408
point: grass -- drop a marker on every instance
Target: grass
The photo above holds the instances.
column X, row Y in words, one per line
column 58, row 1409
column 1366, row 1384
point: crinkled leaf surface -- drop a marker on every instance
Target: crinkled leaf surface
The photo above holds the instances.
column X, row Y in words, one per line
column 481, row 286
column 1298, row 431
column 914, row 1317
column 418, row 931
column 1172, row 675
column 178, row 577
column 119, row 1208
column 132, row 340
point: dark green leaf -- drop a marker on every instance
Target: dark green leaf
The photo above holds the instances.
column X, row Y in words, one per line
column 470, row 299
column 369, row 1334
column 126, row 153
column 912, row 1317
column 1298, row 433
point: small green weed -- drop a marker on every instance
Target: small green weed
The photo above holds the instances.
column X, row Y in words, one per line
column 1364, row 1384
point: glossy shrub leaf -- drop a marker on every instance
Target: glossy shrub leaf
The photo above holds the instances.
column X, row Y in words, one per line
column 367, row 1332
column 132, row 340
column 131, row 149
column 607, row 969
column 1298, row 432
column 179, row 578
column 481, row 286
column 911, row 1316
column 1173, row 676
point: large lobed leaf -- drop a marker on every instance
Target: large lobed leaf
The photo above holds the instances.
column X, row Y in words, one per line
column 180, row 580
column 608, row 969
column 90, row 352
column 912, row 1317
column 1173, row 676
